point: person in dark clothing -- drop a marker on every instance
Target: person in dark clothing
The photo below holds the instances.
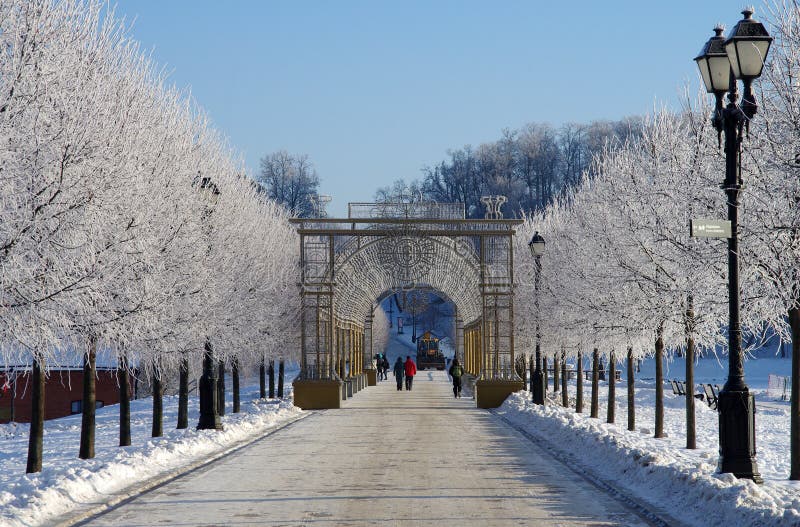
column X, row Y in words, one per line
column 456, row 371
column 379, row 365
column 399, row 371
column 385, row 368
column 410, row 371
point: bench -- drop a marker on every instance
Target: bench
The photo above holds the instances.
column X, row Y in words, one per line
column 679, row 388
column 711, row 392
column 571, row 373
column 587, row 374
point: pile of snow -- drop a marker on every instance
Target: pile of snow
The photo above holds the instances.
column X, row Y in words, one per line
column 67, row 483
column 662, row 472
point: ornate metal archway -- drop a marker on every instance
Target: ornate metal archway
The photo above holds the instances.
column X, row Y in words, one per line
column 347, row 263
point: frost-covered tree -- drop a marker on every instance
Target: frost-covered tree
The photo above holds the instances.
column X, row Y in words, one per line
column 106, row 240
column 380, row 330
column 771, row 219
column 619, row 264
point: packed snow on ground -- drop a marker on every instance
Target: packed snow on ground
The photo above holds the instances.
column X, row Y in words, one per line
column 663, row 472
column 67, row 482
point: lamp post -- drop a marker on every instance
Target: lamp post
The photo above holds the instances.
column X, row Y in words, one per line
column 722, row 62
column 536, row 245
column 207, row 386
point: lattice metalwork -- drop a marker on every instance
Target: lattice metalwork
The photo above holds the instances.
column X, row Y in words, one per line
column 318, row 360
column 406, row 258
column 407, row 210
column 366, row 273
column 498, row 307
column 349, row 263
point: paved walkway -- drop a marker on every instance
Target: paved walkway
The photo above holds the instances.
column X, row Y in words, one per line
column 387, row 458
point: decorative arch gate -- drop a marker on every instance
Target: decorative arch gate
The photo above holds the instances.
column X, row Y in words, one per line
column 347, row 264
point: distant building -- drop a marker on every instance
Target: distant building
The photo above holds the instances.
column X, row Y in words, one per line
column 63, row 392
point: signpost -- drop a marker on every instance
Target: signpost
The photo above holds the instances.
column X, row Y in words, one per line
column 709, row 228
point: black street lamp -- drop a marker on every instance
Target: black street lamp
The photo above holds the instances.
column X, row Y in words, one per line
column 722, row 61
column 536, row 245
column 207, row 386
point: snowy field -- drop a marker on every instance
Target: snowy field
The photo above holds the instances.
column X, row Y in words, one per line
column 714, row 370
column 663, row 472
column 67, row 483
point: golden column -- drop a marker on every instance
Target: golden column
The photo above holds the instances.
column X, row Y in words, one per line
column 359, row 353
column 468, row 352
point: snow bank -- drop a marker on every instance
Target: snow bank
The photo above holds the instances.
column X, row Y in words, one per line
column 662, row 472
column 67, row 483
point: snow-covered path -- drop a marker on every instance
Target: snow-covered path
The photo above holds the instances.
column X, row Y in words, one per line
column 385, row 458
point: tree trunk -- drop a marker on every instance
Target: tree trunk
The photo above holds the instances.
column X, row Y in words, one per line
column 271, row 371
column 13, row 399
column 36, row 434
column 281, row 370
column 564, row 392
column 595, row 410
column 579, row 385
column 544, row 373
column 158, row 404
column 235, row 380
column 262, row 379
column 691, row 441
column 89, row 401
column 631, row 393
column 531, row 369
column 556, row 373
column 659, row 383
column 124, row 402
column 221, row 388
column 183, row 394
column 794, row 435
column 612, row 389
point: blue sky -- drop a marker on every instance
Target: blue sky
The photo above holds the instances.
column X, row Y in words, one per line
column 373, row 91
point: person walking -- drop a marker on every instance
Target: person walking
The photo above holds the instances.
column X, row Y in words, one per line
column 378, row 365
column 410, row 371
column 399, row 371
column 385, row 367
column 456, row 371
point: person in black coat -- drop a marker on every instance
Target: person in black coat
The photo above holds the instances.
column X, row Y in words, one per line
column 456, row 372
column 399, row 372
column 385, row 368
column 379, row 365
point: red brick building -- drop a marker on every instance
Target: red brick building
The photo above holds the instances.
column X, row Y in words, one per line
column 63, row 393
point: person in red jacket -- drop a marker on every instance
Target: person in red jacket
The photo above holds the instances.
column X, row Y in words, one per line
column 411, row 370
